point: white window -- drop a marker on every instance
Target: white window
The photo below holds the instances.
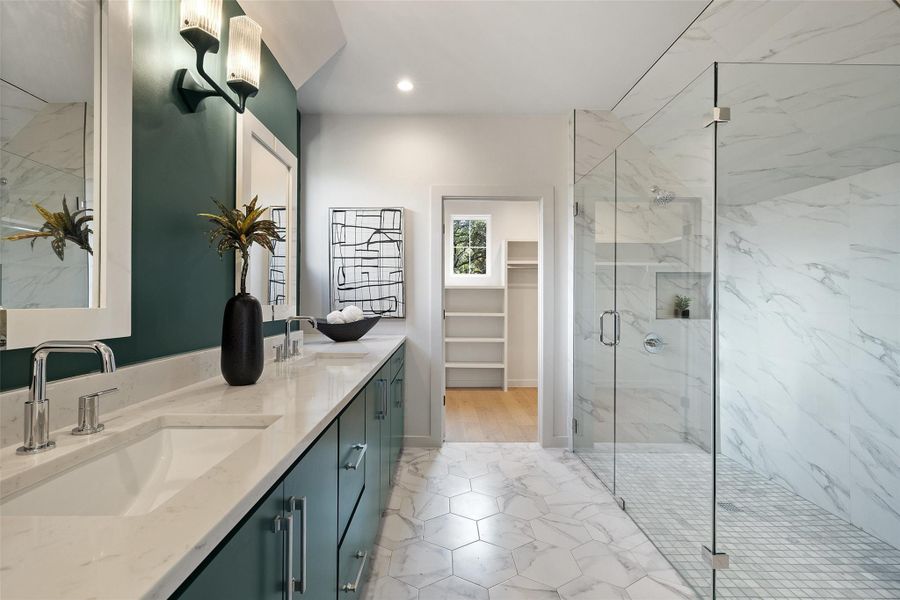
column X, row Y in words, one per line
column 471, row 234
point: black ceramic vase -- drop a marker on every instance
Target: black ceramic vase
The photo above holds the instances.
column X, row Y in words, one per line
column 242, row 340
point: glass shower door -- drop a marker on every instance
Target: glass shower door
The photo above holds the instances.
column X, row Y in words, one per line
column 663, row 292
column 594, row 354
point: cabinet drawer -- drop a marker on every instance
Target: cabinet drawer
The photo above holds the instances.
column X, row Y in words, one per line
column 396, row 361
column 351, row 459
column 354, row 559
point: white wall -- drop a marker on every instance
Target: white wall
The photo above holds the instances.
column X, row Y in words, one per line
column 509, row 220
column 375, row 160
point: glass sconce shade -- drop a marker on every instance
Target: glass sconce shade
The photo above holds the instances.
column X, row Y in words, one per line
column 201, row 23
column 243, row 53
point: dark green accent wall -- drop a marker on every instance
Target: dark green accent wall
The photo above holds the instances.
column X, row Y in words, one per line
column 180, row 160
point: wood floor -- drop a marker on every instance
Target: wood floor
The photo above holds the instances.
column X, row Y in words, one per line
column 491, row 415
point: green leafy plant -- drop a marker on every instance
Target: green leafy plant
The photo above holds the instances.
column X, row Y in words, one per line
column 682, row 303
column 238, row 230
column 62, row 226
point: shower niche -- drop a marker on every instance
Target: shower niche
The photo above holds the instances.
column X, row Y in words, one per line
column 695, row 286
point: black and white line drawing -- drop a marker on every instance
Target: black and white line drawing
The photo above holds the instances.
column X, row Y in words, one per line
column 366, row 258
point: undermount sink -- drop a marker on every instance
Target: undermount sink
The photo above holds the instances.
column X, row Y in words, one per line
column 148, row 466
column 340, row 355
column 328, row 358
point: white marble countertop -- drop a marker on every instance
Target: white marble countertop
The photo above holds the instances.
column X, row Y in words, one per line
column 148, row 556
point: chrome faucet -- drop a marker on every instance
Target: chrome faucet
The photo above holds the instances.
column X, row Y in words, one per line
column 286, row 350
column 37, row 407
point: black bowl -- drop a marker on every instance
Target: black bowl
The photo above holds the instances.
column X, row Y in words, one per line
column 347, row 332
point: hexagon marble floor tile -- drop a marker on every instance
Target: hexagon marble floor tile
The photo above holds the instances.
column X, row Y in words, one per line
column 472, row 521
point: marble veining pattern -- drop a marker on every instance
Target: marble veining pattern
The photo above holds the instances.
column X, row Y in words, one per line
column 809, row 345
column 544, row 529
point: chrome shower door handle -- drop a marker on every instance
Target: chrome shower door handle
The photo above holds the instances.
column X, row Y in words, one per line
column 602, row 321
column 618, row 320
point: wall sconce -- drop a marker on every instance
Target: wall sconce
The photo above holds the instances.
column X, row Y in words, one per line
column 201, row 22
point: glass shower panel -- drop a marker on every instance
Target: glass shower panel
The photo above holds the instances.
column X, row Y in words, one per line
column 664, row 199
column 808, row 222
column 594, row 375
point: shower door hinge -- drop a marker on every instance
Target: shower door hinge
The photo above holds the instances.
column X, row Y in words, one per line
column 443, row 229
column 575, row 210
column 720, row 114
column 575, row 426
column 716, row 560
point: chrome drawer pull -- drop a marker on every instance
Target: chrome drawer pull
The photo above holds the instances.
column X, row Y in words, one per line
column 352, row 587
column 362, row 448
column 286, row 524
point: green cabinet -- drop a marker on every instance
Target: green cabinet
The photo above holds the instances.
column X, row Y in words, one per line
column 289, row 540
column 352, row 459
column 251, row 562
column 314, row 532
column 370, row 506
column 311, row 490
column 383, row 381
column 398, row 400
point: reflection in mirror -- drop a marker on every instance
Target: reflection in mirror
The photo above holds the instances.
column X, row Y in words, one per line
column 270, row 180
column 48, row 159
column 267, row 170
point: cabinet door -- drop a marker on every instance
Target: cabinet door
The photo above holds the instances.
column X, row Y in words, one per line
column 313, row 486
column 250, row 564
column 355, row 560
column 370, row 505
column 384, row 382
column 398, row 407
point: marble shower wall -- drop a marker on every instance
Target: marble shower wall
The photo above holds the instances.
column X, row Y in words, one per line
column 45, row 154
column 625, row 243
column 768, row 31
column 809, row 264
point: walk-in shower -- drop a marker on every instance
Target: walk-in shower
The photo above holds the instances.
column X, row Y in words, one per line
column 756, row 437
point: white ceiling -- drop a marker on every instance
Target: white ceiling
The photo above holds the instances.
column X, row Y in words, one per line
column 301, row 35
column 525, row 57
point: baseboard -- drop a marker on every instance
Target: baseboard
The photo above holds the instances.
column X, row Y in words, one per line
column 522, row 383
column 421, row 441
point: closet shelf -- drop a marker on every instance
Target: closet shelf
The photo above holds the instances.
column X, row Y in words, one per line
column 474, row 340
column 474, row 365
column 473, row 287
column 474, row 314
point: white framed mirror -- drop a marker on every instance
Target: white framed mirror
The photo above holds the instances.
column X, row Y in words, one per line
column 65, row 132
column 267, row 169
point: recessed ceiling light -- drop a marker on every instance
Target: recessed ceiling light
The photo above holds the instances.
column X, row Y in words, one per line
column 405, row 85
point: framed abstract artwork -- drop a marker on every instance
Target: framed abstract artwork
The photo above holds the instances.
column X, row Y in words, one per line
column 366, row 260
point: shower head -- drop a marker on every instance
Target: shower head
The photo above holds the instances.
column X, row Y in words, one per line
column 660, row 196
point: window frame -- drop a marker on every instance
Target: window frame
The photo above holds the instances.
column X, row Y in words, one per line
column 488, row 254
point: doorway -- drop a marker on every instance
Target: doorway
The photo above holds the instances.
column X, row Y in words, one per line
column 490, row 259
column 491, row 288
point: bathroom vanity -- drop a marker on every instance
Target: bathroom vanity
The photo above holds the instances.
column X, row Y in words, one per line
column 214, row 491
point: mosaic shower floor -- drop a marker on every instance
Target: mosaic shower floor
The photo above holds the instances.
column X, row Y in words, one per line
column 780, row 545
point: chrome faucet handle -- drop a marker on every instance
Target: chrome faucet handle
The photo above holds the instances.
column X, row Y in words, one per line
column 89, row 413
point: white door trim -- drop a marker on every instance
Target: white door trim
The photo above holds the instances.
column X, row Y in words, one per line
column 545, row 197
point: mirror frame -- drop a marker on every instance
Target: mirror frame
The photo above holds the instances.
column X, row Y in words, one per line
column 111, row 318
column 250, row 130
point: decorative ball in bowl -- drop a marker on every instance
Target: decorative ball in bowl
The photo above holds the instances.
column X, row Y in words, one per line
column 347, row 332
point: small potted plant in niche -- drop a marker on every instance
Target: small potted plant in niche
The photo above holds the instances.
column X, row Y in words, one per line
column 242, row 337
column 683, row 307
